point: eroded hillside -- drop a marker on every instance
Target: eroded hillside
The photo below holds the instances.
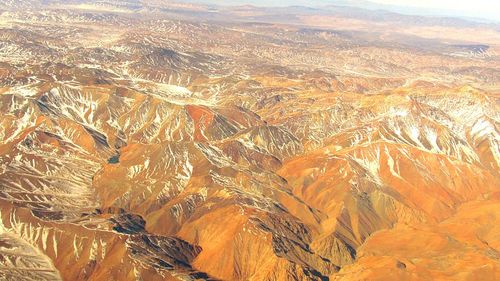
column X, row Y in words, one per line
column 141, row 140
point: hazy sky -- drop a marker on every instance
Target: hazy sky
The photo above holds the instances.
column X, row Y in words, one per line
column 487, row 9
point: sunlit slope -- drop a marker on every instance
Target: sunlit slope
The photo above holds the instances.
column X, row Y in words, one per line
column 166, row 148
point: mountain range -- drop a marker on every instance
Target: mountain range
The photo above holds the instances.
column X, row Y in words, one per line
column 159, row 140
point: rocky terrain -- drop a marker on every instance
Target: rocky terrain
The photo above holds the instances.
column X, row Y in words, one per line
column 150, row 140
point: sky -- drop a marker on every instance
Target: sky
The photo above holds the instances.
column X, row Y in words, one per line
column 474, row 8
column 486, row 9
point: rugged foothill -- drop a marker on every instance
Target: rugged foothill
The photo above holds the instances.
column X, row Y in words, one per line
column 149, row 140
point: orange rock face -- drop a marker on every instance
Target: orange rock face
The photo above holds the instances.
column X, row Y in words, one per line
column 145, row 140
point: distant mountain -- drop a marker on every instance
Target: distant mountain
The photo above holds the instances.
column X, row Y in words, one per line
column 369, row 5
